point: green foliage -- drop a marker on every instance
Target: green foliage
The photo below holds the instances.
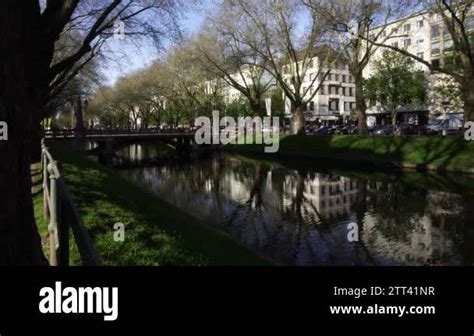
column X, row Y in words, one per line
column 238, row 108
column 396, row 83
column 278, row 103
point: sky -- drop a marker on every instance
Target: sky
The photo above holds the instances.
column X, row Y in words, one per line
column 128, row 58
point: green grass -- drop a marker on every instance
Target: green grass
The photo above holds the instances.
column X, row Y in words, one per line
column 156, row 232
column 433, row 153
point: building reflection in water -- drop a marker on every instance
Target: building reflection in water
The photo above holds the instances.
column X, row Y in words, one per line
column 302, row 217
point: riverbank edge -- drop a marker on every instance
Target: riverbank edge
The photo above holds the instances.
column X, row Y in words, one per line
column 156, row 232
column 429, row 154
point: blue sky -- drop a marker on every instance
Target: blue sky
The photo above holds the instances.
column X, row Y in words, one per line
column 130, row 59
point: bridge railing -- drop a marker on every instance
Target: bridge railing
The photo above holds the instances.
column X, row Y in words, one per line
column 62, row 133
column 62, row 215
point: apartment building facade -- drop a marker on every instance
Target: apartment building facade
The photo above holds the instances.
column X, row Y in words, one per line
column 425, row 35
column 334, row 101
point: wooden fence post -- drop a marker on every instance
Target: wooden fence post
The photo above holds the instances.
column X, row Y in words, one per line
column 53, row 223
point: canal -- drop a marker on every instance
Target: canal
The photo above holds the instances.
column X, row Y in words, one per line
column 308, row 213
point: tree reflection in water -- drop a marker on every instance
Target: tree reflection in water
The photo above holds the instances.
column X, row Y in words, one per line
column 301, row 216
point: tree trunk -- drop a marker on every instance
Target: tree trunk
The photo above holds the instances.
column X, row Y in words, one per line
column 23, row 75
column 469, row 102
column 257, row 108
column 79, row 129
column 299, row 122
column 361, row 106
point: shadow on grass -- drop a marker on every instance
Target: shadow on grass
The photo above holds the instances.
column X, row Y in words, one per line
column 433, row 153
column 156, row 232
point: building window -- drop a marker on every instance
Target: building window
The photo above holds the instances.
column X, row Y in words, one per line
column 334, row 105
column 394, row 31
column 346, row 106
column 420, row 41
column 407, row 27
column 353, row 106
column 420, row 23
column 336, row 76
column 311, row 64
column 395, row 44
column 322, row 89
column 407, row 43
column 384, row 33
column 435, row 63
column 311, row 106
column 333, row 89
column 351, row 92
column 435, row 49
column 421, row 55
column 435, row 32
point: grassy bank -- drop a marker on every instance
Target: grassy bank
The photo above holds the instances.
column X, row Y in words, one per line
column 156, row 232
column 430, row 153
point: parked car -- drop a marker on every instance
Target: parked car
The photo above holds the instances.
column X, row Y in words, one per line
column 444, row 125
column 407, row 129
column 325, row 130
column 386, row 130
column 344, row 129
column 373, row 129
column 353, row 130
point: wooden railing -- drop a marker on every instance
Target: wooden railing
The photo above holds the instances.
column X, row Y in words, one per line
column 62, row 215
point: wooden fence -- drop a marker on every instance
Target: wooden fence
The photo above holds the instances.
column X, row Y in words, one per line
column 62, row 215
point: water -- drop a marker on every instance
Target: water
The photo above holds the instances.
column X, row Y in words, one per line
column 300, row 213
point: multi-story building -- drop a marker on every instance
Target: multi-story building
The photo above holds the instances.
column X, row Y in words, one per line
column 425, row 35
column 335, row 100
column 422, row 34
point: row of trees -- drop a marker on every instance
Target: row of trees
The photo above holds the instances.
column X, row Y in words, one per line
column 45, row 45
column 255, row 46
column 180, row 88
